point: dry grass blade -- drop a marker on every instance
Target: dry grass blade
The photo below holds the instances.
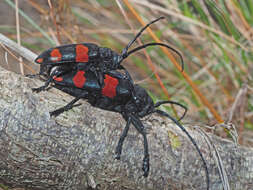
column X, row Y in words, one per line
column 26, row 53
column 58, row 42
column 179, row 16
column 239, row 108
column 54, row 37
column 31, row 21
column 37, row 7
column 204, row 64
column 68, row 36
column 230, row 129
column 247, row 30
column 6, row 59
column 216, row 155
column 18, row 36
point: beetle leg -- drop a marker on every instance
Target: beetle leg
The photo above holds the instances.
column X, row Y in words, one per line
column 140, row 128
column 69, row 106
column 122, row 138
column 100, row 77
column 42, row 88
column 32, row 75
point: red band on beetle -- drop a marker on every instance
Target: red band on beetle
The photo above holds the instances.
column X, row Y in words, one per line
column 79, row 79
column 55, row 55
column 40, row 60
column 109, row 89
column 82, row 53
column 59, row 79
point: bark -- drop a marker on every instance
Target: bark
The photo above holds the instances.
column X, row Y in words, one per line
column 76, row 149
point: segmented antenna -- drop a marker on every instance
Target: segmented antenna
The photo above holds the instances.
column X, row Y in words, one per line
column 125, row 52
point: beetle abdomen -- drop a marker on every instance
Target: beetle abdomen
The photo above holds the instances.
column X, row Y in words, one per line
column 71, row 53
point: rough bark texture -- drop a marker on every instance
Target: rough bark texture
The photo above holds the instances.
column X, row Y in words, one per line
column 76, row 149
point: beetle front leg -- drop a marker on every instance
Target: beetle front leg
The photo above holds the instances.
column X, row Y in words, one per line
column 42, row 88
column 33, row 75
column 140, row 128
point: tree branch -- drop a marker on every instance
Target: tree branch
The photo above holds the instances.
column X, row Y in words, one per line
column 22, row 51
column 76, row 149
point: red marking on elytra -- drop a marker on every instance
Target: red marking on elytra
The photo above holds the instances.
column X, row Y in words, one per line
column 59, row 79
column 40, row 60
column 79, row 79
column 55, row 55
column 82, row 53
column 109, row 89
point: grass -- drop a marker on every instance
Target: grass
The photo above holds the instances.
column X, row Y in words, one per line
column 214, row 37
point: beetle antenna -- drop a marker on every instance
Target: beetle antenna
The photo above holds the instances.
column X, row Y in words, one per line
column 157, row 104
column 156, row 44
column 124, row 51
column 160, row 112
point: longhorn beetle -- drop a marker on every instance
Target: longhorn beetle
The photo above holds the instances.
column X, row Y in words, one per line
column 89, row 56
column 116, row 96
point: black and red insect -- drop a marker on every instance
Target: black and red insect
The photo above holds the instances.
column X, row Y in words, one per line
column 89, row 56
column 87, row 71
column 116, row 96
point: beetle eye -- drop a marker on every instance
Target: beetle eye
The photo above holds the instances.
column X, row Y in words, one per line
column 137, row 101
column 53, row 70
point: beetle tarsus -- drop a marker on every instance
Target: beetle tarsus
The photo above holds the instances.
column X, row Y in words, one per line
column 39, row 89
column 145, row 166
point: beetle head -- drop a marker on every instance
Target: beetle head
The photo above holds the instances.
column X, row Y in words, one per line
column 143, row 101
column 45, row 70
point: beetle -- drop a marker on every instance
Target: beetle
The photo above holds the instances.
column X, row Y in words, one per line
column 89, row 56
column 116, row 96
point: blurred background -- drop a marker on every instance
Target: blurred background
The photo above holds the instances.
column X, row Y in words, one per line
column 215, row 38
